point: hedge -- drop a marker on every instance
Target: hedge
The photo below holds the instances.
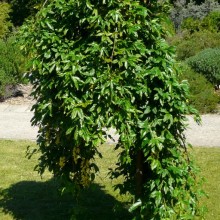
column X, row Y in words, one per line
column 207, row 62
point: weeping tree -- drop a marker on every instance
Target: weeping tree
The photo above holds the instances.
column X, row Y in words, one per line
column 104, row 63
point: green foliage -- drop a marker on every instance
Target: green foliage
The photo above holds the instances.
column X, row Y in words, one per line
column 100, row 64
column 202, row 95
column 211, row 23
column 21, row 10
column 12, row 64
column 207, row 62
column 187, row 44
column 190, row 9
column 193, row 28
column 191, row 24
column 5, row 23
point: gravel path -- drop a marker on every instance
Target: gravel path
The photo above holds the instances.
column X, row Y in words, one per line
column 207, row 134
column 15, row 124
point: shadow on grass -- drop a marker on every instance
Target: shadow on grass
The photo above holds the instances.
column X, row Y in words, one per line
column 41, row 200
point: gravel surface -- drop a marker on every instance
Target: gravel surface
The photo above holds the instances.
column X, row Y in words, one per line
column 15, row 116
column 15, row 124
column 207, row 134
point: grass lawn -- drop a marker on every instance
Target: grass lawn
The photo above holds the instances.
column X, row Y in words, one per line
column 208, row 160
column 24, row 195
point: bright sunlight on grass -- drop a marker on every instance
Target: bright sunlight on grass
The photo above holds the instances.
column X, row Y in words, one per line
column 24, row 195
column 208, row 160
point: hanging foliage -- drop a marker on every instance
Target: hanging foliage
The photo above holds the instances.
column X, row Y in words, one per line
column 104, row 63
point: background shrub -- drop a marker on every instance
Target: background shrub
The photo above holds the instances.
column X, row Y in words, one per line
column 191, row 24
column 21, row 10
column 202, row 95
column 209, row 23
column 5, row 23
column 183, row 9
column 188, row 45
column 207, row 62
column 12, row 64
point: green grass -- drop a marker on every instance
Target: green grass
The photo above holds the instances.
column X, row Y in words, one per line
column 24, row 195
column 208, row 160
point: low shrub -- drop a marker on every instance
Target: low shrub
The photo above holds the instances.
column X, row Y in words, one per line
column 207, row 62
column 12, row 65
column 202, row 94
column 188, row 45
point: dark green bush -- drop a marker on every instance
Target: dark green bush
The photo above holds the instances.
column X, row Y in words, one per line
column 12, row 64
column 21, row 10
column 202, row 95
column 188, row 45
column 207, row 62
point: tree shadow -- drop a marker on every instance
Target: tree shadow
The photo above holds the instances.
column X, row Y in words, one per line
column 41, row 200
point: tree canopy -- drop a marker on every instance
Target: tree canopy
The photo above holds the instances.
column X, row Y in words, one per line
column 104, row 63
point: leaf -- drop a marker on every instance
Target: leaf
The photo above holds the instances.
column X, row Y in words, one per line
column 47, row 54
column 76, row 133
column 135, row 206
column 89, row 5
column 69, row 130
column 80, row 113
column 76, row 81
column 52, row 68
column 49, row 25
column 144, row 142
column 155, row 164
